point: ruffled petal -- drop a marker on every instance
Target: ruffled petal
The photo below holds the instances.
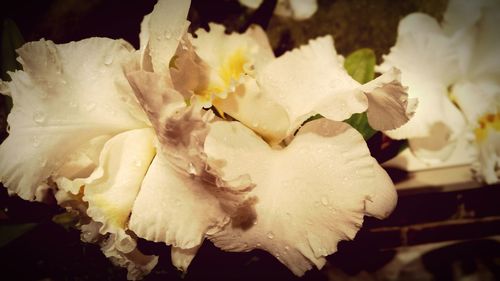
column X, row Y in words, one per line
column 164, row 28
column 388, row 104
column 310, row 195
column 302, row 79
column 67, row 95
column 137, row 264
column 181, row 131
column 112, row 188
column 181, row 258
column 312, row 80
column 175, row 208
column 423, row 54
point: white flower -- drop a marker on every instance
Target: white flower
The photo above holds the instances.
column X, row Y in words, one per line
column 148, row 159
column 477, row 90
column 428, row 66
column 239, row 76
column 71, row 102
column 297, row 9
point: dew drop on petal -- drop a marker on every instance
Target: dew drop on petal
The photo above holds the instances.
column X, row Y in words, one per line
column 324, row 201
column 39, row 117
column 108, row 60
column 270, row 235
column 191, row 169
column 168, row 34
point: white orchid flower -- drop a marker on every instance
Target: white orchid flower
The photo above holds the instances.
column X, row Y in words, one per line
column 72, row 114
column 229, row 72
column 424, row 54
column 296, row 9
column 477, row 90
column 147, row 158
column 288, row 90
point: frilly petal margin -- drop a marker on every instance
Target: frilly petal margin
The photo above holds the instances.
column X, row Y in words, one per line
column 311, row 80
column 181, row 131
column 55, row 109
column 113, row 186
column 310, row 195
column 137, row 264
column 388, row 103
column 175, row 208
column 181, row 258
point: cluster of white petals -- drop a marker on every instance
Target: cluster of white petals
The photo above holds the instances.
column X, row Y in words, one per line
column 296, row 9
column 453, row 68
column 127, row 138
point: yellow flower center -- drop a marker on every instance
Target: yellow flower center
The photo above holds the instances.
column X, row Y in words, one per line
column 229, row 73
column 486, row 122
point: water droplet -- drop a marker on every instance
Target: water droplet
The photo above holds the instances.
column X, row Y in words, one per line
column 108, row 60
column 258, row 245
column 270, row 235
column 191, row 169
column 39, row 117
column 324, row 201
column 255, row 124
column 90, row 106
column 36, row 141
column 168, row 34
column 287, row 248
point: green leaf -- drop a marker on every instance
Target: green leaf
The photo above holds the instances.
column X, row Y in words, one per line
column 360, row 65
column 359, row 121
column 10, row 232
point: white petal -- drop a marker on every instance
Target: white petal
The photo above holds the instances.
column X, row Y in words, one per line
column 181, row 258
column 137, row 264
column 462, row 14
column 312, row 80
column 310, row 195
column 428, row 65
column 181, row 131
column 175, row 208
column 488, row 166
column 254, row 4
column 112, row 188
column 476, row 99
column 67, row 95
column 388, row 104
column 167, row 25
column 303, row 9
column 424, row 50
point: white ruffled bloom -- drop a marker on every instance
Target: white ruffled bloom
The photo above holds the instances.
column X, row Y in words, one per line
column 477, row 89
column 149, row 159
column 453, row 69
